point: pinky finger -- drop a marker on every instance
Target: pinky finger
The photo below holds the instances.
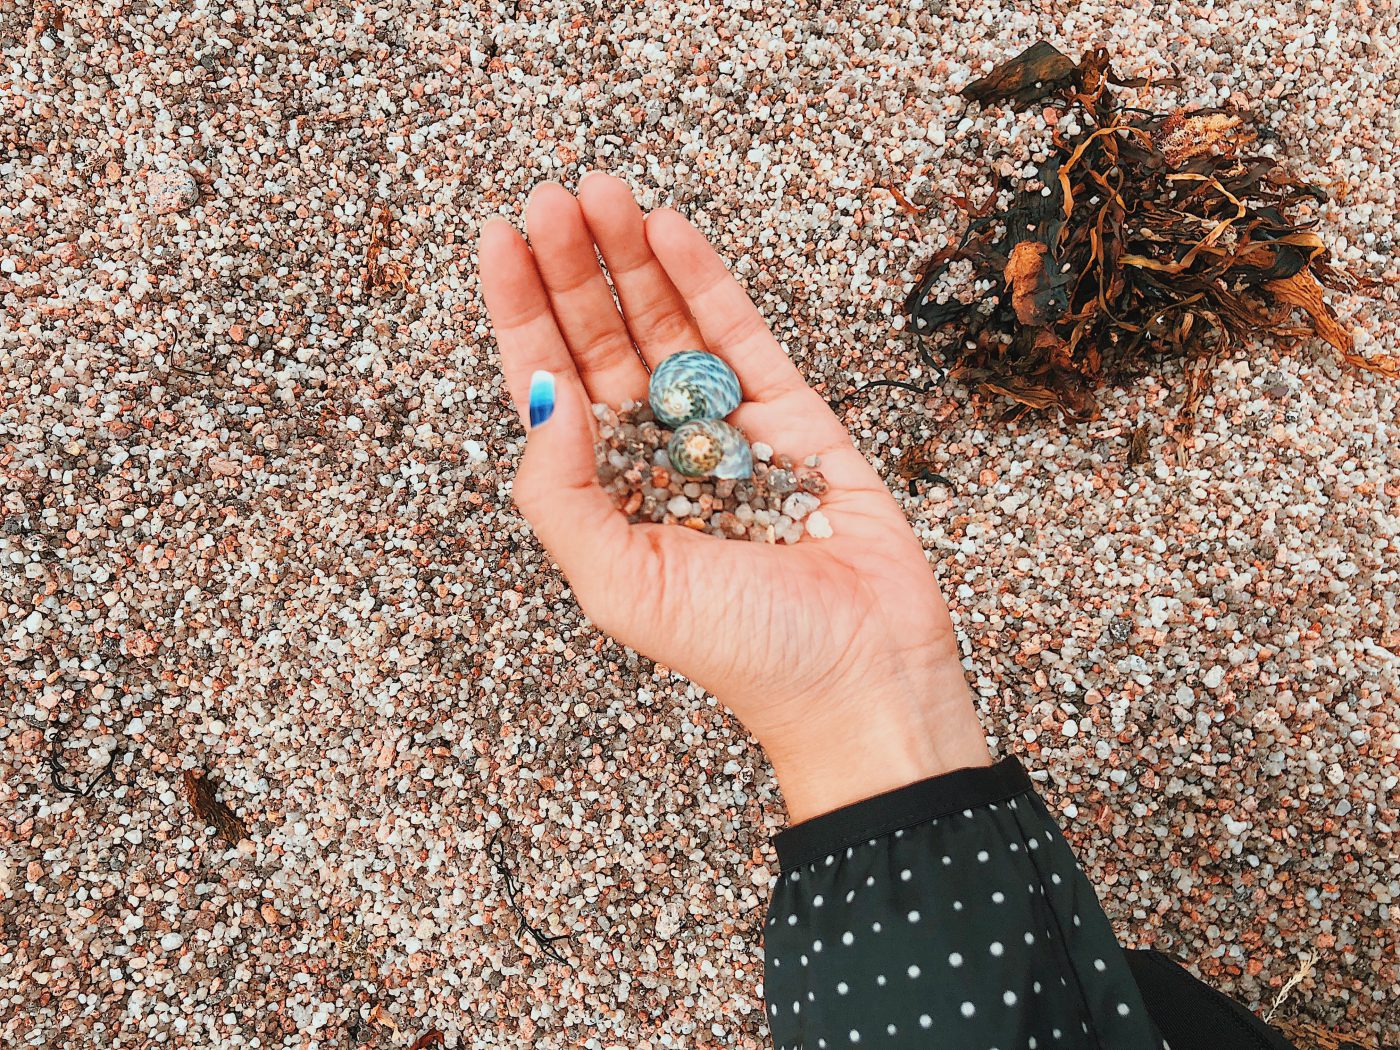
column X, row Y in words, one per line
column 556, row 486
column 526, row 334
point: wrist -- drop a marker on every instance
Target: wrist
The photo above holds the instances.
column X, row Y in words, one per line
column 862, row 743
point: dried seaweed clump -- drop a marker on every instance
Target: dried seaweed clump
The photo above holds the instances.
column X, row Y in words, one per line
column 1145, row 236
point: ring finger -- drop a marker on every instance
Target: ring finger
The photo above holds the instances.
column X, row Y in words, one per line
column 583, row 305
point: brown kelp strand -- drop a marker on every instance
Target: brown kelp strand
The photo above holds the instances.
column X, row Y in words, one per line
column 1144, row 237
column 202, row 794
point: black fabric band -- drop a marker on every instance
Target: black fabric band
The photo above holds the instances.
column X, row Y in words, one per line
column 903, row 807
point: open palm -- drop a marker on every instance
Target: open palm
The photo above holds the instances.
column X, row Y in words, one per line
column 830, row 651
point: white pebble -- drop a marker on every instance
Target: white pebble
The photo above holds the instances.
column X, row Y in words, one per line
column 799, row 505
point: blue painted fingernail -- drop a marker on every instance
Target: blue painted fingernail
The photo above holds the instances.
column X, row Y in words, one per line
column 541, row 397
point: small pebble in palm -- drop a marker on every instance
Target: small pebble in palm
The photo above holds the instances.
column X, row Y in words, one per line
column 636, row 472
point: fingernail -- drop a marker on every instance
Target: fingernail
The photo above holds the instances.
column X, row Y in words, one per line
column 588, row 175
column 541, row 397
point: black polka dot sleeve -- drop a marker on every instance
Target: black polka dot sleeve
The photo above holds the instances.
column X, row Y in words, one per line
column 948, row 913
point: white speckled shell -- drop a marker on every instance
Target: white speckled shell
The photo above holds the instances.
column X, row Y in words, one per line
column 710, row 448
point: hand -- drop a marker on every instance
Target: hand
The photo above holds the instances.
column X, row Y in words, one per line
column 838, row 655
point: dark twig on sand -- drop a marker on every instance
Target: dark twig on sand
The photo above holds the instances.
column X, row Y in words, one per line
column 57, row 770
column 545, row 941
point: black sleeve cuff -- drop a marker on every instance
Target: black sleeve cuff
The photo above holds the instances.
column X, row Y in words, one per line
column 903, row 807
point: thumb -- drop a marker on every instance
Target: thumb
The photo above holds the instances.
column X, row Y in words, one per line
column 557, row 489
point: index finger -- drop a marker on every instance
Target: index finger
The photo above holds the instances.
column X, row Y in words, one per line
column 777, row 398
column 729, row 323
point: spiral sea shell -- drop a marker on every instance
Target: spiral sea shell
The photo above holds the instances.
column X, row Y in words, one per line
column 692, row 384
column 710, row 448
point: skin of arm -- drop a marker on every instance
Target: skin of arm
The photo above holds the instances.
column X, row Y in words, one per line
column 838, row 654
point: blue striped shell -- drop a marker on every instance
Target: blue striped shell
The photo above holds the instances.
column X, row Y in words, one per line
column 692, row 384
column 710, row 448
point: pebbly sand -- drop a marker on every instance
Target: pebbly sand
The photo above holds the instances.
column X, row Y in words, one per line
column 256, row 473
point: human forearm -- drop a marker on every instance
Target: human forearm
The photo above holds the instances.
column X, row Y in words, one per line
column 862, row 740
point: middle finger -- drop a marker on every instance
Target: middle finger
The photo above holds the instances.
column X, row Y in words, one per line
column 655, row 313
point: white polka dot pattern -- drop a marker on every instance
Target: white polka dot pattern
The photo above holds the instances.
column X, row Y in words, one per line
column 974, row 930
